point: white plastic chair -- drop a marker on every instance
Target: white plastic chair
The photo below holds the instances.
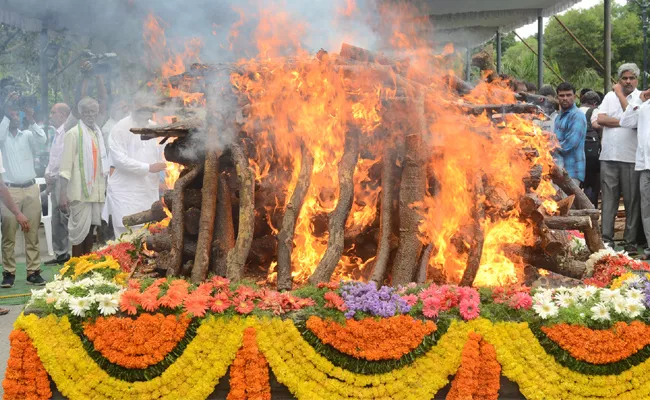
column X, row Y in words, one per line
column 46, row 220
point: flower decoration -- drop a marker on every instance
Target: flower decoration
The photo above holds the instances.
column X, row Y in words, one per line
column 249, row 373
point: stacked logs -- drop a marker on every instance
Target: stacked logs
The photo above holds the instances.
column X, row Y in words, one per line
column 219, row 210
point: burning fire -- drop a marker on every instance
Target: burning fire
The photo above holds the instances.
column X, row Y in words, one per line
column 315, row 103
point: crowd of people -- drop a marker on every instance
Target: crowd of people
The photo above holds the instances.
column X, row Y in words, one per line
column 605, row 147
column 98, row 172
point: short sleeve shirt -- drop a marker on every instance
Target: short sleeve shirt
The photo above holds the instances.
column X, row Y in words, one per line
column 618, row 144
column 2, row 167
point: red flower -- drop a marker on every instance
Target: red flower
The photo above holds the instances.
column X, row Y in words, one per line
column 197, row 303
column 333, row 300
column 220, row 282
column 220, row 303
column 246, row 292
column 129, row 302
column 244, row 306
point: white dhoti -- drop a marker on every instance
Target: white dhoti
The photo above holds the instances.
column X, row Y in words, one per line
column 82, row 216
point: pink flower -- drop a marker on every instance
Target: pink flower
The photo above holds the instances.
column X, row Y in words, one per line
column 410, row 299
column 521, row 300
column 468, row 310
column 431, row 306
column 468, row 293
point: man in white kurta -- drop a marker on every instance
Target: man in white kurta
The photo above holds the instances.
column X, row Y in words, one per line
column 133, row 186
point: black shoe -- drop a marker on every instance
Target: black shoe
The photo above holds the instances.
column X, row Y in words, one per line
column 60, row 259
column 8, row 280
column 35, row 279
column 631, row 249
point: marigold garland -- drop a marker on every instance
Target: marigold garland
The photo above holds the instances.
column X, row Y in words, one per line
column 489, row 375
column 465, row 384
column 193, row 375
column 136, row 343
column 373, row 339
column 25, row 376
column 249, row 373
column 600, row 346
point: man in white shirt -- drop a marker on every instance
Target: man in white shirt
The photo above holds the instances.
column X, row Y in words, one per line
column 18, row 159
column 637, row 115
column 617, row 156
column 58, row 116
column 133, row 186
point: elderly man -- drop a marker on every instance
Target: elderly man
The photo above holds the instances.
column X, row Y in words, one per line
column 82, row 176
column 18, row 158
column 617, row 159
column 133, row 186
column 58, row 116
column 570, row 128
column 637, row 115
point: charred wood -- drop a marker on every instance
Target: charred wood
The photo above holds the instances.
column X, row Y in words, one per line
column 177, row 225
column 518, row 108
column 385, row 215
column 162, row 242
column 237, row 255
column 186, row 151
column 340, row 214
column 176, row 129
column 424, row 264
column 193, row 199
column 224, row 237
column 155, row 214
column 412, row 189
column 291, row 213
column 478, row 237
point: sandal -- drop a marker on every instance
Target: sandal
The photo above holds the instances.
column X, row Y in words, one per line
column 4, row 311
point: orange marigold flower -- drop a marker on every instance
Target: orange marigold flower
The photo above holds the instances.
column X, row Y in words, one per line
column 25, row 376
column 371, row 339
column 249, row 373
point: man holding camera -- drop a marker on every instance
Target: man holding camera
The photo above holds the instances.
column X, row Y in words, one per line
column 18, row 159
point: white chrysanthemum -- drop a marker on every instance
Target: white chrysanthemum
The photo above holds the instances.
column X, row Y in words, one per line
column 546, row 309
column 620, row 304
column 107, row 303
column 39, row 294
column 634, row 279
column 62, row 301
column 600, row 312
column 588, row 292
column 79, row 305
column 608, row 295
column 634, row 294
column 634, row 308
column 543, row 296
column 564, row 300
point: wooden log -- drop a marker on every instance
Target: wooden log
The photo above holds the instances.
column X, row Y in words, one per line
column 155, row 214
column 176, row 129
column 224, row 236
column 593, row 237
column 192, row 220
column 533, row 180
column 564, row 205
column 163, row 242
column 236, row 259
column 363, row 55
column 337, row 218
column 186, row 151
column 291, row 213
column 561, row 264
column 177, row 225
column 518, row 108
column 476, row 246
column 568, row 223
column 193, row 198
column 412, row 190
column 208, row 207
column 581, row 213
column 385, row 215
column 424, row 265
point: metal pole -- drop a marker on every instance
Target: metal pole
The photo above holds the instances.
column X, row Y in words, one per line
column 644, row 19
column 468, row 63
column 608, row 46
column 45, row 107
column 540, row 51
column 498, row 51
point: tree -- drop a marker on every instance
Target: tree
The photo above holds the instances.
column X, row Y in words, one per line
column 521, row 63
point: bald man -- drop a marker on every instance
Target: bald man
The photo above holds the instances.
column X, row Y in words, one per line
column 58, row 116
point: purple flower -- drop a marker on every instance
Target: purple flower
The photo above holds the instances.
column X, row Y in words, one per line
column 365, row 297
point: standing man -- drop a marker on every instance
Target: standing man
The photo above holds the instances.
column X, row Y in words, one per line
column 570, row 129
column 591, row 185
column 18, row 158
column 133, row 186
column 637, row 115
column 82, row 176
column 618, row 156
column 58, row 115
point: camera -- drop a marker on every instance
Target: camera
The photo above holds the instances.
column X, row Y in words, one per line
column 101, row 62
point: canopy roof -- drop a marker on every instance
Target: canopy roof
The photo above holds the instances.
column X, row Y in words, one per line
column 463, row 22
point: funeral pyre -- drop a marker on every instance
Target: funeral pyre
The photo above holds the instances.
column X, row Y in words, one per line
column 359, row 165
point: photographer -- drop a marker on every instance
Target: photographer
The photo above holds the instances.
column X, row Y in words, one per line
column 18, row 159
